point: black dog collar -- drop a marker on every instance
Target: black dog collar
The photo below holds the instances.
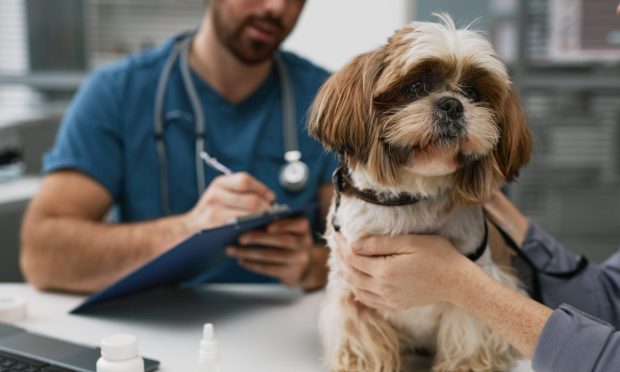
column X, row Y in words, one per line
column 343, row 184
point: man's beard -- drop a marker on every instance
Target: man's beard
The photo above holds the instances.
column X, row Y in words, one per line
column 248, row 50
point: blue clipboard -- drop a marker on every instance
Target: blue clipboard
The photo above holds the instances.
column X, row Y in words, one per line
column 187, row 260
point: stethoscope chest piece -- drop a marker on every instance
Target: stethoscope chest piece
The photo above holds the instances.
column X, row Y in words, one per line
column 294, row 174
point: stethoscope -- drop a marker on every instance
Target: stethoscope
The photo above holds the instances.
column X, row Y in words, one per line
column 294, row 173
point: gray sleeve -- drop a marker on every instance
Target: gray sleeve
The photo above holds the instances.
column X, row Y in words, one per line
column 573, row 341
column 594, row 290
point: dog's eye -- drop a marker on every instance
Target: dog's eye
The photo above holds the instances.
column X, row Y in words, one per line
column 472, row 93
column 414, row 90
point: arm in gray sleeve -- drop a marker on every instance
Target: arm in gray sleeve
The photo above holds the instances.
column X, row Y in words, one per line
column 594, row 290
column 573, row 341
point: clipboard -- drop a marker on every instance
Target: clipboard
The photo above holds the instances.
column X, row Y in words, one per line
column 188, row 259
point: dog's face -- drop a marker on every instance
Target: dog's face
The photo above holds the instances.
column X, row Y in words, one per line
column 433, row 101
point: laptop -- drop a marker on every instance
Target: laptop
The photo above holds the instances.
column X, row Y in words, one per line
column 21, row 350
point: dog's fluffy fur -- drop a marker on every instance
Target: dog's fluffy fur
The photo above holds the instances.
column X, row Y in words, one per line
column 381, row 114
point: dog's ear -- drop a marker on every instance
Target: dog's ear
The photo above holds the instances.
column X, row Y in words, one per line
column 341, row 115
column 478, row 179
column 514, row 147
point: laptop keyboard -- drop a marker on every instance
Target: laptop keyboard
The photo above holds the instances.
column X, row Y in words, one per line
column 17, row 363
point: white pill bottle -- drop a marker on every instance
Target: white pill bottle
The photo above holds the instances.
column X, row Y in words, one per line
column 119, row 353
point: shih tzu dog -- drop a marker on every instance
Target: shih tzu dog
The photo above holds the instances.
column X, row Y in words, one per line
column 427, row 127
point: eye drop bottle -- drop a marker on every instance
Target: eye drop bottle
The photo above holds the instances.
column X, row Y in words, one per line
column 208, row 358
column 119, row 353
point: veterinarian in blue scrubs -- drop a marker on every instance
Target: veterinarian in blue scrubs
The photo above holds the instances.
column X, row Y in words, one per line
column 111, row 150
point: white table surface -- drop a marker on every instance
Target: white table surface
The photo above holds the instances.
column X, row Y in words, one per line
column 258, row 327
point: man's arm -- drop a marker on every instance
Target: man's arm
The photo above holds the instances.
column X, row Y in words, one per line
column 501, row 211
column 517, row 318
column 66, row 245
column 594, row 290
column 565, row 340
column 572, row 341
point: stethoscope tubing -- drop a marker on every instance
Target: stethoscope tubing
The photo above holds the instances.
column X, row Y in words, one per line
column 160, row 93
column 198, row 114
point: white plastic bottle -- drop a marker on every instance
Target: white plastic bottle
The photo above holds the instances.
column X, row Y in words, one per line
column 208, row 358
column 12, row 309
column 119, row 353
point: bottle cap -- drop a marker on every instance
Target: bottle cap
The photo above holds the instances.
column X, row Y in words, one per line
column 12, row 309
column 119, row 347
column 207, row 332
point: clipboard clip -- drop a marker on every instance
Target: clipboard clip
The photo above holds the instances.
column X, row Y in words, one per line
column 275, row 209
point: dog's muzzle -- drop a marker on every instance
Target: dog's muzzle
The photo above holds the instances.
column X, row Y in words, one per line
column 450, row 123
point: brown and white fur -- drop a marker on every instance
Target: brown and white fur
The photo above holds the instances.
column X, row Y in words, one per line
column 395, row 138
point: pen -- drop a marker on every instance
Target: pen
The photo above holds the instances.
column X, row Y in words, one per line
column 213, row 163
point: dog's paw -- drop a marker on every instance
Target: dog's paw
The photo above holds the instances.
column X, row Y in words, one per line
column 477, row 363
column 352, row 359
column 523, row 365
column 358, row 339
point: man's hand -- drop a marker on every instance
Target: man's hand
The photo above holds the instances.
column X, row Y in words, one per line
column 227, row 198
column 285, row 251
column 501, row 211
column 396, row 273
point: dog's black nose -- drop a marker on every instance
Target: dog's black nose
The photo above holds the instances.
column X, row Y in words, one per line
column 452, row 106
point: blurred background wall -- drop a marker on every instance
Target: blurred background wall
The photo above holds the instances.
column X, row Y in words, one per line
column 564, row 56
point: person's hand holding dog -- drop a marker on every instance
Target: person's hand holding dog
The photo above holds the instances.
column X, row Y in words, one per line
column 409, row 270
column 400, row 272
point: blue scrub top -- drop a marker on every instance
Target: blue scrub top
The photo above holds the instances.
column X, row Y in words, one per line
column 107, row 133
